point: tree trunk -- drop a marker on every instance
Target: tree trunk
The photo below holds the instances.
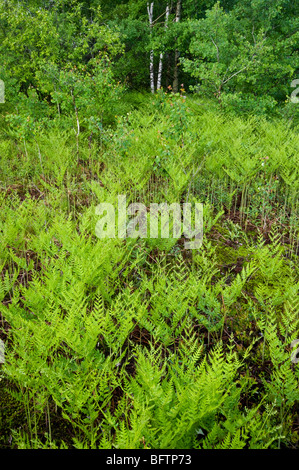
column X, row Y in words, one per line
column 177, row 54
column 159, row 80
column 150, row 11
column 168, row 78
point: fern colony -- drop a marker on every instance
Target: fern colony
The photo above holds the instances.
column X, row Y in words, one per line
column 138, row 343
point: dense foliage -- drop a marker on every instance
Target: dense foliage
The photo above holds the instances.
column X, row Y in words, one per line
column 138, row 342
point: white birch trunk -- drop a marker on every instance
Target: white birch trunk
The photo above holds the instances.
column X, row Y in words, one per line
column 159, row 80
column 177, row 54
column 150, row 11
